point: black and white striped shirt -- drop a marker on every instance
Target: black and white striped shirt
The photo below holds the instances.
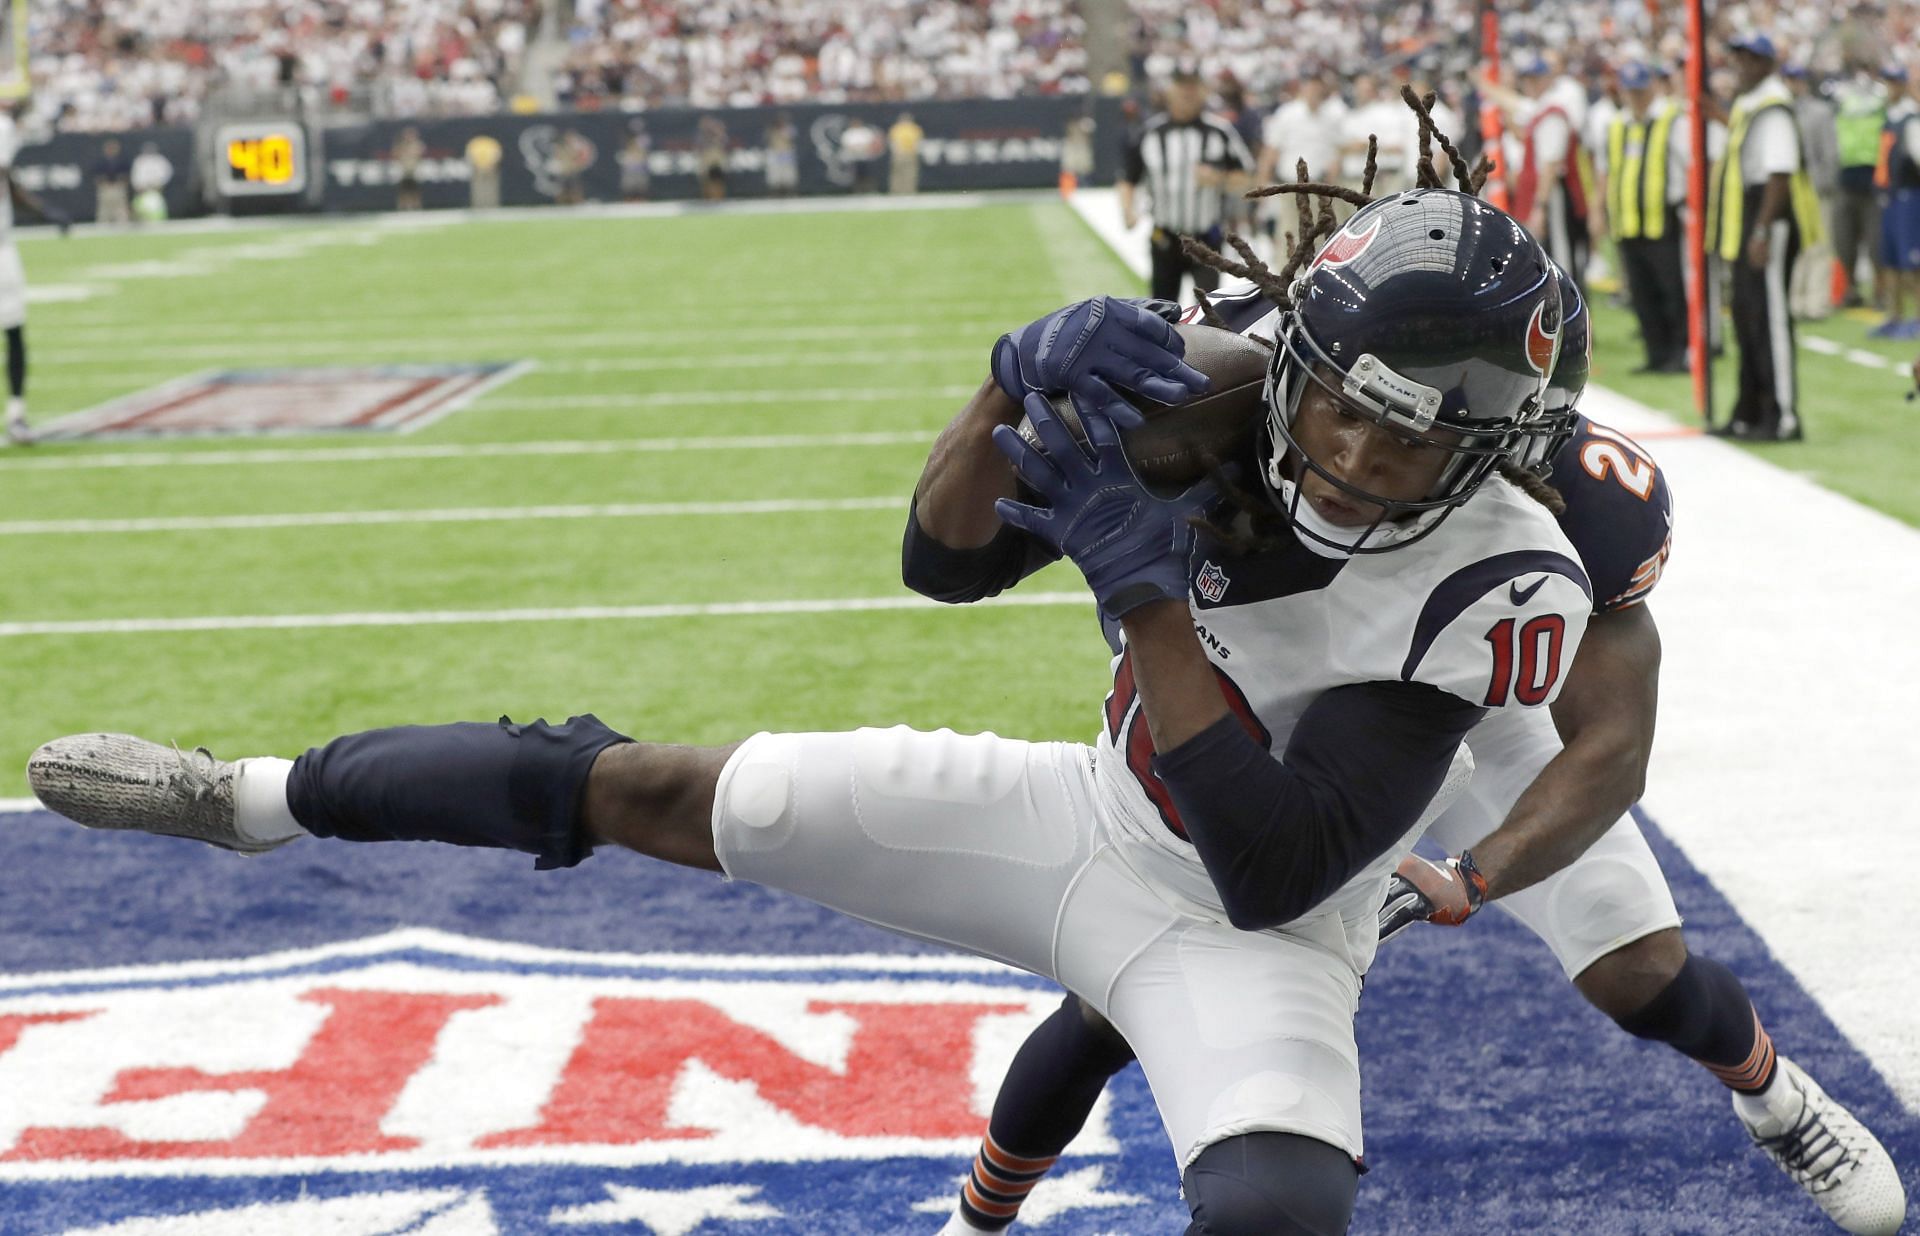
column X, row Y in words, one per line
column 1164, row 159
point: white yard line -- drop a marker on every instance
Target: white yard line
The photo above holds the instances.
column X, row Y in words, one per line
column 457, row 450
column 585, row 613
column 444, row 515
column 709, row 338
column 671, row 399
column 1858, row 356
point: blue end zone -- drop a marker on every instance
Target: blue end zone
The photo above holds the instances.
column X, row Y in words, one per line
column 1497, row 1100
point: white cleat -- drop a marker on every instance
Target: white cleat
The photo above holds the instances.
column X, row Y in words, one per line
column 122, row 782
column 1833, row 1157
column 18, row 431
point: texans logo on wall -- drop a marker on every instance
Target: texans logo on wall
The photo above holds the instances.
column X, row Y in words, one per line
column 553, row 154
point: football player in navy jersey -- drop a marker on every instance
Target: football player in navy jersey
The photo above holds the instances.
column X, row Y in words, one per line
column 1215, row 874
column 1542, row 829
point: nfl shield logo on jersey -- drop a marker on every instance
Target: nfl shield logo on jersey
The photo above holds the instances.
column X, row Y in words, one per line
column 1211, row 582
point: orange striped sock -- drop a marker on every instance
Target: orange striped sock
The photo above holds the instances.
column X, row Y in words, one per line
column 1753, row 1074
column 998, row 1183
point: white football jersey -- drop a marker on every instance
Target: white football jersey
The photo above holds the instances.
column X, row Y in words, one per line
column 1490, row 608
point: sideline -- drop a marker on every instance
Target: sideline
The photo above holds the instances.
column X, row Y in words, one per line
column 1783, row 762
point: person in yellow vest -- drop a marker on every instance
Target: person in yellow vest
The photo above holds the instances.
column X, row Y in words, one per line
column 1860, row 114
column 1762, row 209
column 1645, row 169
column 903, row 145
column 483, row 172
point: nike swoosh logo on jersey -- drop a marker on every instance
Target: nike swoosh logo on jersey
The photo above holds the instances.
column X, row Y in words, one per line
column 1522, row 596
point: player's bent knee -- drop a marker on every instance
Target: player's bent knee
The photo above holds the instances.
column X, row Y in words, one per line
column 1629, row 978
column 1271, row 1184
column 1609, row 903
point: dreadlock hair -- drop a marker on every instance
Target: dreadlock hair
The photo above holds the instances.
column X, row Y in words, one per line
column 1313, row 201
column 1532, row 484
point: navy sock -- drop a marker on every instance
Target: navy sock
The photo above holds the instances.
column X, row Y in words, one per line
column 17, row 361
column 1049, row 1091
column 504, row 786
column 1704, row 1013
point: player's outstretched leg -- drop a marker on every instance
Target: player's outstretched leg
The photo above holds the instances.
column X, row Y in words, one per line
column 1044, row 1101
column 1655, row 989
column 550, row 791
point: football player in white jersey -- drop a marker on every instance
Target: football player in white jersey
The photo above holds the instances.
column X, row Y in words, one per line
column 1209, row 877
column 1541, row 830
column 13, row 282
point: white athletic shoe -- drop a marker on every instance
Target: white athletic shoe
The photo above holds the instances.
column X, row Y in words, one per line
column 122, row 782
column 18, row 431
column 1833, row 1157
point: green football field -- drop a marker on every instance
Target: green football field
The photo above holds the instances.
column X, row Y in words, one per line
column 682, row 366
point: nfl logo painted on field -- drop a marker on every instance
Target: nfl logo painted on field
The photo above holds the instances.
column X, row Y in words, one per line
column 478, row 1087
column 309, row 400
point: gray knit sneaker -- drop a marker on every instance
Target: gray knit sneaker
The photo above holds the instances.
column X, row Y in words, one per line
column 119, row 781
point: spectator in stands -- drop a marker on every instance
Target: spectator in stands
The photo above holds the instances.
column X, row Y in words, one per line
column 1898, row 179
column 1644, row 165
column 408, row 151
column 903, row 152
column 483, row 172
column 636, row 175
column 1812, row 291
column 710, row 158
column 783, row 157
column 1860, row 105
column 112, row 198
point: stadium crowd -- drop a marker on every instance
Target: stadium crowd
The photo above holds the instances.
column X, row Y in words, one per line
column 126, row 64
column 745, row 53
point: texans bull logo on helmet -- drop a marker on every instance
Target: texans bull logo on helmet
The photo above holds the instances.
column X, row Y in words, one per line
column 1543, row 336
column 1346, row 245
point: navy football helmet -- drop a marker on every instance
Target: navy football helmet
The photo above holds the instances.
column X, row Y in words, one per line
column 1568, row 383
column 1429, row 310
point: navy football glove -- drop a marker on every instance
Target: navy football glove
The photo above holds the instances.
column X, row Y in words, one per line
column 1445, row 893
column 1131, row 545
column 1091, row 346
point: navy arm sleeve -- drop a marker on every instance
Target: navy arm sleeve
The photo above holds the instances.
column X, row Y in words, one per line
column 958, row 576
column 1277, row 837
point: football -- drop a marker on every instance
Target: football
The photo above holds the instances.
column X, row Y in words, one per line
column 1174, row 446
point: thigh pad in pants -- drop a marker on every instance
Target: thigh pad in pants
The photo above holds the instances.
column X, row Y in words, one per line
column 1610, row 896
column 970, row 841
column 1237, row 1031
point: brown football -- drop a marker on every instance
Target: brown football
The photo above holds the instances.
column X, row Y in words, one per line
column 1175, row 445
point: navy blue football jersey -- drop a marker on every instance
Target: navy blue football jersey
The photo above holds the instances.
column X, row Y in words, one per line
column 1619, row 513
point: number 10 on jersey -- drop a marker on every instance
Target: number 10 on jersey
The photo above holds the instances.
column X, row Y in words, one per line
column 1526, row 659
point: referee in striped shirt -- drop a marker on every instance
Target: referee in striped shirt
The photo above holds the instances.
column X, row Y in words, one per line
column 1188, row 162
